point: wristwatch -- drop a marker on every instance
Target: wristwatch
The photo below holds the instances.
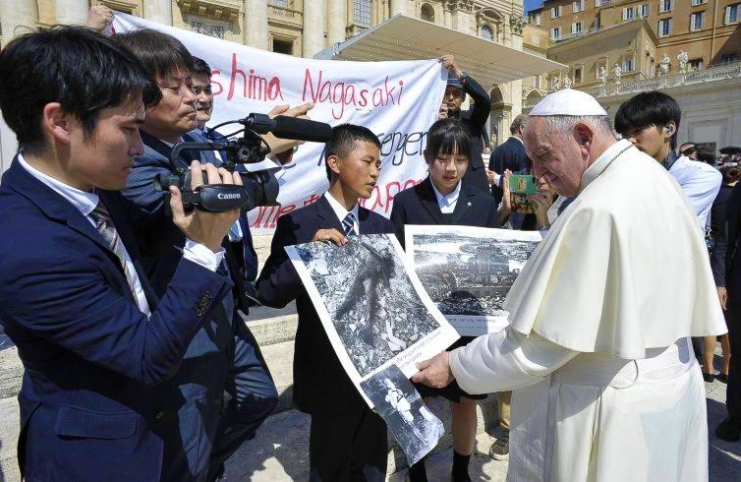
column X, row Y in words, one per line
column 463, row 77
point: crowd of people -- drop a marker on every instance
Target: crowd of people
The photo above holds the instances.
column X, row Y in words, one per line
column 126, row 312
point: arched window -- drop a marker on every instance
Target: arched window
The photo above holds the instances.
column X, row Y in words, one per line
column 427, row 13
column 487, row 33
column 362, row 12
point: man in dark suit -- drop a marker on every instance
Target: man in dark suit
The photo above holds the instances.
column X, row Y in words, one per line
column 239, row 235
column 347, row 439
column 200, row 430
column 460, row 84
column 92, row 334
column 510, row 155
column 730, row 428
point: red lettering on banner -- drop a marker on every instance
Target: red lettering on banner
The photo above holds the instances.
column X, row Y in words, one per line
column 389, row 196
column 254, row 86
column 383, row 196
column 312, row 199
column 341, row 94
column 215, row 83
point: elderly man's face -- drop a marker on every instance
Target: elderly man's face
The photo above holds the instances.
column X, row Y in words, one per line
column 557, row 160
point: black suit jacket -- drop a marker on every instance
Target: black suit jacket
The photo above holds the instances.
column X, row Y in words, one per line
column 510, row 155
column 88, row 410
column 475, row 119
column 718, row 234
column 418, row 205
column 320, row 383
column 733, row 254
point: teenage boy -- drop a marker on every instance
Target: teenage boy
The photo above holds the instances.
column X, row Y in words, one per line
column 92, row 334
column 200, row 431
column 347, row 439
column 650, row 120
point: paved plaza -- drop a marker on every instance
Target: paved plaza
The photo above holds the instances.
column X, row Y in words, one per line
column 279, row 451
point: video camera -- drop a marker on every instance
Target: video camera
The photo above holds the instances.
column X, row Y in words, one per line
column 260, row 188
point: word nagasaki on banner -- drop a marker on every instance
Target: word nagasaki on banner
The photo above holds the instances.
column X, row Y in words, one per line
column 316, row 89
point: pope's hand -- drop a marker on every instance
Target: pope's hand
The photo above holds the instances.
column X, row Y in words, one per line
column 434, row 372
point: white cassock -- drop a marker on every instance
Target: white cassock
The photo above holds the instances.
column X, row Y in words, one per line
column 606, row 386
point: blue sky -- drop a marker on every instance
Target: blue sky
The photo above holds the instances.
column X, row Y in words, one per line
column 531, row 4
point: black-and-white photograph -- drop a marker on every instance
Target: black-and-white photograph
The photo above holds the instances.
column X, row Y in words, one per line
column 372, row 303
column 396, row 400
column 468, row 271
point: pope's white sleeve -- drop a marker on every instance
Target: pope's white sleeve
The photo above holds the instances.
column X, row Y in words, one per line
column 506, row 360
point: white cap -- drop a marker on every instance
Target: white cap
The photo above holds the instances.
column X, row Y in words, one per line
column 568, row 102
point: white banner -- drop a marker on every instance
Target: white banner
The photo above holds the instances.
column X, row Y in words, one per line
column 396, row 100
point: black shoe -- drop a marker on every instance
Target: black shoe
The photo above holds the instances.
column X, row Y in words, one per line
column 722, row 377
column 729, row 430
column 417, row 472
column 708, row 377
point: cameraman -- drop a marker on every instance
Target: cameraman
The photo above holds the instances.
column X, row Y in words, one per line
column 91, row 333
column 199, row 434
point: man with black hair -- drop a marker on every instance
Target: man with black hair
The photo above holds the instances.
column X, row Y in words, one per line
column 688, row 149
column 200, row 430
column 460, row 84
column 92, row 334
column 650, row 120
column 347, row 439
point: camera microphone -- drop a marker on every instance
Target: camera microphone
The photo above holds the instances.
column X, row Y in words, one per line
column 286, row 127
column 301, row 129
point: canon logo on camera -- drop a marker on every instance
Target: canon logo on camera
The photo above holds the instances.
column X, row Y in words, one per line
column 228, row 196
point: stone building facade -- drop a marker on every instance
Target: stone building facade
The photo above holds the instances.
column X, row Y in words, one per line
column 294, row 27
column 615, row 49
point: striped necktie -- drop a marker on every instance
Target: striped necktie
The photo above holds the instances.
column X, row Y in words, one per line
column 104, row 225
column 348, row 224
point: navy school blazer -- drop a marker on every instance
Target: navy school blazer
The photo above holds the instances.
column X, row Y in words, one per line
column 320, row 383
column 90, row 356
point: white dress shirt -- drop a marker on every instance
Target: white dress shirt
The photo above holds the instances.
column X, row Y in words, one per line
column 700, row 182
column 447, row 202
column 86, row 202
column 341, row 212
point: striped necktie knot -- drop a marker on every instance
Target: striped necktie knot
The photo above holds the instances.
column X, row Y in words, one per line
column 348, row 225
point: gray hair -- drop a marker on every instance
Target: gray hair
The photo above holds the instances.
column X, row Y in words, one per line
column 520, row 120
column 564, row 124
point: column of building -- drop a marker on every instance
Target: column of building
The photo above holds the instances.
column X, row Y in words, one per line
column 516, row 24
column 447, row 15
column 158, row 11
column 71, row 12
column 462, row 21
column 17, row 17
column 336, row 21
column 398, row 6
column 313, row 39
column 256, row 23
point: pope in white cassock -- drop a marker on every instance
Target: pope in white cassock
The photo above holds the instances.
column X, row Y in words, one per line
column 606, row 386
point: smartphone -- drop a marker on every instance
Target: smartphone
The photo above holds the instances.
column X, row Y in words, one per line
column 522, row 184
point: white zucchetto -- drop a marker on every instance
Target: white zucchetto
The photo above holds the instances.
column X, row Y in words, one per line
column 568, row 102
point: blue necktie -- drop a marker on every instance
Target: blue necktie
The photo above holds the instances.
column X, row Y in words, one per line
column 348, row 224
